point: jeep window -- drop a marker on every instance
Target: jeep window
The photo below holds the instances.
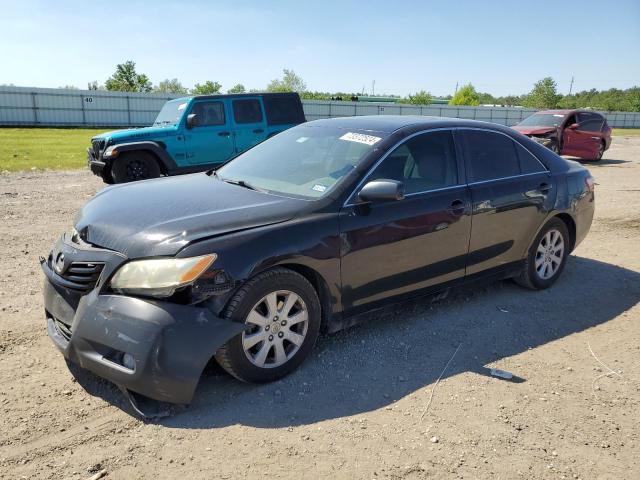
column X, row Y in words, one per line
column 304, row 161
column 171, row 113
column 247, row 111
column 542, row 120
column 283, row 110
column 209, row 114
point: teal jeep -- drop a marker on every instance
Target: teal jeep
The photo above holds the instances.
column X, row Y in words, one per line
column 193, row 134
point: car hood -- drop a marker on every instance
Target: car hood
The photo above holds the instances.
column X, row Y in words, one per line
column 534, row 130
column 136, row 134
column 161, row 216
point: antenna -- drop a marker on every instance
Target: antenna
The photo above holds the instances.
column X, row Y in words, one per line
column 571, row 85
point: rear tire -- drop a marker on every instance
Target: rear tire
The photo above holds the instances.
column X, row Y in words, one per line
column 547, row 256
column 133, row 166
column 283, row 311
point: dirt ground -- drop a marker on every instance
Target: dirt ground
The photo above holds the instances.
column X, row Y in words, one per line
column 367, row 404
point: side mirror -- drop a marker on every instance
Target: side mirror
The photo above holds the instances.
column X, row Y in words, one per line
column 382, row 190
column 573, row 126
column 191, row 120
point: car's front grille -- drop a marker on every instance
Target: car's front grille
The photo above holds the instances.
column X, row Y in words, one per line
column 81, row 276
column 98, row 146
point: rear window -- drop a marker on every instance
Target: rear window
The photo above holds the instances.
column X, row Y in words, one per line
column 247, row 111
column 283, row 110
column 489, row 155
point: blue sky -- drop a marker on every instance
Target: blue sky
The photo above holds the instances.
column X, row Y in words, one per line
column 405, row 46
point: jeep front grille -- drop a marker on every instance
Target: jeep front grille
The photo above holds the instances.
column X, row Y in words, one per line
column 98, row 146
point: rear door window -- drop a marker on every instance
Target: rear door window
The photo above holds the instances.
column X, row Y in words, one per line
column 283, row 110
column 247, row 111
column 528, row 162
column 489, row 155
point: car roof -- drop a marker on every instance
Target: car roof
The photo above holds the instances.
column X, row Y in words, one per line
column 234, row 95
column 391, row 123
column 566, row 111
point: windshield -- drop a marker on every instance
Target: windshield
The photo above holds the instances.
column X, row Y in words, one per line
column 171, row 113
column 542, row 120
column 305, row 161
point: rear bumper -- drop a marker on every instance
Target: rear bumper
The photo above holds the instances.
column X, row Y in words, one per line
column 170, row 343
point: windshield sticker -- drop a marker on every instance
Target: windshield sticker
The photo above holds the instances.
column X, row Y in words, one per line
column 557, row 115
column 319, row 188
column 181, row 106
column 302, row 139
column 360, row 138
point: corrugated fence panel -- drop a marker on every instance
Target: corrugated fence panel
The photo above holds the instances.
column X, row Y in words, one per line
column 61, row 107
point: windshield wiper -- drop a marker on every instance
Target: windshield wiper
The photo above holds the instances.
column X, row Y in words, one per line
column 240, row 183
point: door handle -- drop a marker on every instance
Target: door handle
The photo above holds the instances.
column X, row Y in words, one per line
column 544, row 187
column 457, row 207
column 224, row 134
column 259, row 130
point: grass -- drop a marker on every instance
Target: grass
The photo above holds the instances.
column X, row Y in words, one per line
column 44, row 148
column 65, row 148
column 626, row 132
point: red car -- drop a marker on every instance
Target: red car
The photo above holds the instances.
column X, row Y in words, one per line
column 578, row 133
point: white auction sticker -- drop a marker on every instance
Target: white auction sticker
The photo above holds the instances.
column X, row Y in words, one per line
column 181, row 106
column 360, row 138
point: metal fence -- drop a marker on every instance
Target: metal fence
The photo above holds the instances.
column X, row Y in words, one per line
column 23, row 106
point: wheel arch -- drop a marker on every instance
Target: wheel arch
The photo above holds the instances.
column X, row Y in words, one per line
column 320, row 286
column 165, row 162
column 571, row 227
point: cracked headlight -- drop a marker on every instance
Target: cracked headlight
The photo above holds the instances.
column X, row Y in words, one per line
column 542, row 140
column 159, row 277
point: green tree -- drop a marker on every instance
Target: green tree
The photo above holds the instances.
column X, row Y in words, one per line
column 466, row 95
column 170, row 86
column 207, row 88
column 290, row 82
column 419, row 98
column 238, row 88
column 544, row 94
column 94, row 86
column 70, row 87
column 126, row 79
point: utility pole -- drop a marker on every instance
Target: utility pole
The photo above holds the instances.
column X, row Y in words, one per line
column 456, row 88
column 571, row 85
column 373, row 88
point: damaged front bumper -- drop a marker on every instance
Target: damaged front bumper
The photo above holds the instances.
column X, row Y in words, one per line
column 154, row 348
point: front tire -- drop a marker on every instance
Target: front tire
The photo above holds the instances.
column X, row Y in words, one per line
column 134, row 166
column 547, row 256
column 282, row 312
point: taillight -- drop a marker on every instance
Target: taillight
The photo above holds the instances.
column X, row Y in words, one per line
column 590, row 183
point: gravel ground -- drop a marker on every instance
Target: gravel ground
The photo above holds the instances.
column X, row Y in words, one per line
column 367, row 404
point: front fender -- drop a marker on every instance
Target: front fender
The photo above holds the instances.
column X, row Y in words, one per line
column 149, row 146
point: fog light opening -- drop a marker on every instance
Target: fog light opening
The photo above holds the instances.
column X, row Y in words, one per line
column 128, row 361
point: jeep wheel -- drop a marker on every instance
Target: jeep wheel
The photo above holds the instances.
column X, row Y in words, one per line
column 134, row 166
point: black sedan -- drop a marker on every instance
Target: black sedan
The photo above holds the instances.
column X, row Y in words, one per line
column 300, row 235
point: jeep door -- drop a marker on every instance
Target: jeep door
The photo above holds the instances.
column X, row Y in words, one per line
column 210, row 139
column 249, row 124
column 511, row 194
column 399, row 247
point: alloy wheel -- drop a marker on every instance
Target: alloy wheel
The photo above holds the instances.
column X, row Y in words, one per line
column 279, row 324
column 137, row 170
column 550, row 254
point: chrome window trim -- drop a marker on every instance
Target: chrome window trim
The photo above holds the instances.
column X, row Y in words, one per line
column 348, row 202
